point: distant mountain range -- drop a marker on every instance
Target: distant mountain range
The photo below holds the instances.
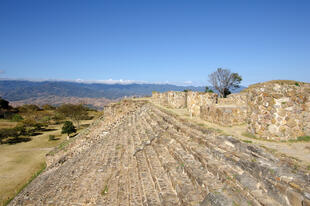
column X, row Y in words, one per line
column 53, row 92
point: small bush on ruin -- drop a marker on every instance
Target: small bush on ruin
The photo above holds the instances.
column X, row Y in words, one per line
column 51, row 137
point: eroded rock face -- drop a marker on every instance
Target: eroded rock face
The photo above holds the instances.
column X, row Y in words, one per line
column 138, row 154
column 279, row 111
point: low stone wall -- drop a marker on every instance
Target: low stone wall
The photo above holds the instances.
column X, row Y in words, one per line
column 160, row 98
column 176, row 100
column 229, row 115
column 234, row 99
column 279, row 110
column 197, row 99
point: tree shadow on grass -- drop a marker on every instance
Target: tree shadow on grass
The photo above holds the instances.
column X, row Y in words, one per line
column 54, row 139
column 48, row 130
column 73, row 135
column 35, row 134
column 17, row 140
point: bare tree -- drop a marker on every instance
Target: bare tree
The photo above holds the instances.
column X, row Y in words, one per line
column 223, row 81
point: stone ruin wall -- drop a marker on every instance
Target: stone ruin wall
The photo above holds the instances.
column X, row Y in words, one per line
column 228, row 111
column 176, row 99
column 278, row 110
column 160, row 98
column 228, row 115
column 208, row 106
column 197, row 99
column 234, row 99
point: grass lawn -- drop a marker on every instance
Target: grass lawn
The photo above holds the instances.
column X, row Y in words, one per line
column 7, row 124
column 20, row 162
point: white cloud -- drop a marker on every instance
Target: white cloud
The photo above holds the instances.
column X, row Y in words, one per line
column 110, row 81
column 188, row 82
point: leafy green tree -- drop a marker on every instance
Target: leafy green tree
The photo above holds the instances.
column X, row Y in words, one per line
column 5, row 109
column 21, row 129
column 28, row 108
column 48, row 107
column 4, row 104
column 68, row 128
column 9, row 132
column 17, row 118
column 74, row 112
column 223, row 81
column 29, row 122
column 208, row 90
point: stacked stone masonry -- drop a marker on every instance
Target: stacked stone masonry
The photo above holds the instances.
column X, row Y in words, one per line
column 234, row 99
column 176, row 99
column 140, row 154
column 224, row 111
column 197, row 99
column 228, row 115
column 278, row 110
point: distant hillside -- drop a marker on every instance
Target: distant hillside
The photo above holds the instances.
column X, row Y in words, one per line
column 14, row 90
column 56, row 92
column 97, row 103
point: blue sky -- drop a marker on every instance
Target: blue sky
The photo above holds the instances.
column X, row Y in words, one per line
column 173, row 41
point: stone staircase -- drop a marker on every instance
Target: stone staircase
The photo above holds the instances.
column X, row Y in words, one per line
column 141, row 155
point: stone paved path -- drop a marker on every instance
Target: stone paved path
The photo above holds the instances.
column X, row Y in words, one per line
column 140, row 155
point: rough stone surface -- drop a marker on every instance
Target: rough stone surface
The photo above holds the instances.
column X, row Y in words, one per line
column 196, row 99
column 279, row 111
column 226, row 115
column 138, row 154
column 234, row 99
column 160, row 98
column 176, row 100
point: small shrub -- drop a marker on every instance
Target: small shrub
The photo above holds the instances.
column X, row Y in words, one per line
column 208, row 90
column 17, row 118
column 300, row 139
column 105, row 190
column 297, row 84
column 303, row 138
column 38, row 126
column 249, row 135
column 51, row 137
column 247, row 141
column 68, row 128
